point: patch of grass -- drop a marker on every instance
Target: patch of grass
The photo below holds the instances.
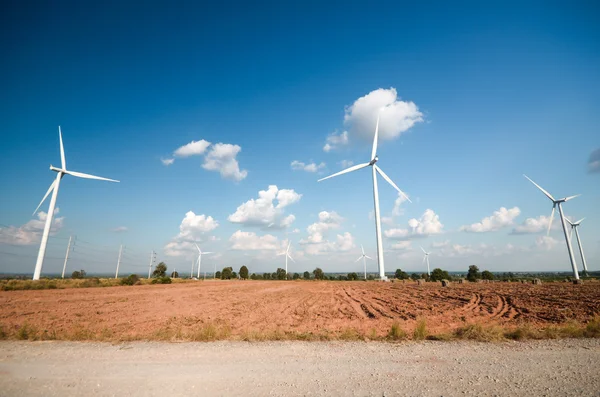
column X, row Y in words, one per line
column 420, row 331
column 3, row 334
column 373, row 335
column 210, row 332
column 592, row 329
column 479, row 333
column 349, row 334
column 523, row 332
column 396, row 333
column 27, row 332
column 441, row 337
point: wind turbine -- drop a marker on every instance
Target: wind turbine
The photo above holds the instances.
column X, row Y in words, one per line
column 375, row 169
column 575, row 226
column 287, row 255
column 200, row 253
column 60, row 172
column 558, row 203
column 426, row 258
column 364, row 257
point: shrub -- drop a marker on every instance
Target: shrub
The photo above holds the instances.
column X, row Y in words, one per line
column 78, row 274
column 132, row 279
column 352, row 276
column 439, row 275
column 306, row 275
column 296, row 276
column 218, row 274
column 175, row 274
column 400, row 275
column 244, row 272
column 396, row 333
column 420, row 331
column 160, row 270
column 161, row 280
column 487, row 275
column 592, row 329
column 252, row 276
column 415, row 276
column 479, row 333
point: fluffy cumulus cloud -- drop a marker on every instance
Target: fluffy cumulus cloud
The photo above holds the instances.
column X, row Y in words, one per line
column 532, row 225
column 167, row 162
column 346, row 163
column 308, row 167
column 194, row 148
column 335, row 140
column 317, row 242
column 594, row 161
column 193, row 229
column 398, row 116
column 545, row 243
column 31, row 232
column 268, row 209
column 499, row 219
column 402, row 246
column 249, row 241
column 428, row 224
column 120, row 229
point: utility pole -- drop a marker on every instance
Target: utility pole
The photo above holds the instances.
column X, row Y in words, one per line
column 151, row 260
column 119, row 261
column 66, row 257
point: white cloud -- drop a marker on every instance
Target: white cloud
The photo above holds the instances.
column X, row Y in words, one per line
column 346, row 163
column 120, row 229
column 308, row 167
column 316, row 243
column 343, row 243
column 440, row 244
column 263, row 211
column 402, row 246
column 327, row 221
column 398, row 117
column 222, row 158
column 249, row 241
column 194, row 148
column 398, row 210
column 167, row 162
column 594, row 161
column 501, row 218
column 31, row 232
column 191, row 230
column 545, row 242
column 428, row 224
column 335, row 140
column 532, row 225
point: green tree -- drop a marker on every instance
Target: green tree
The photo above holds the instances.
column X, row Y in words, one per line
column 174, row 274
column 274, row 276
column 319, row 275
column 487, row 275
column 227, row 273
column 160, row 270
column 306, row 275
column 400, row 275
column 218, row 274
column 267, row 276
column 473, row 273
column 438, row 275
column 252, row 276
column 296, row 276
column 244, row 272
column 234, row 275
column 415, row 276
column 352, row 276
column 78, row 274
column 281, row 275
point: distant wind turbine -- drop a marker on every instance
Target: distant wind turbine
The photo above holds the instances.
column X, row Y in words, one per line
column 426, row 258
column 558, row 203
column 375, row 169
column 200, row 253
column 575, row 226
column 364, row 257
column 287, row 255
column 54, row 189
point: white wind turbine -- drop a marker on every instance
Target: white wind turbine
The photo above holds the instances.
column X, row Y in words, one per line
column 54, row 189
column 364, row 257
column 558, row 203
column 200, row 253
column 287, row 255
column 426, row 258
column 375, row 169
column 575, row 226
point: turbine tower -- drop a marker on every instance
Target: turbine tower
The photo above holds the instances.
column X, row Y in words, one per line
column 287, row 255
column 60, row 172
column 200, row 253
column 426, row 258
column 575, row 226
column 364, row 257
column 558, row 203
column 375, row 169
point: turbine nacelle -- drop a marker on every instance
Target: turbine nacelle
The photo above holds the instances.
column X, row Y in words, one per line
column 372, row 162
column 53, row 168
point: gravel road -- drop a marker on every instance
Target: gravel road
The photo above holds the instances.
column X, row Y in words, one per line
column 539, row 368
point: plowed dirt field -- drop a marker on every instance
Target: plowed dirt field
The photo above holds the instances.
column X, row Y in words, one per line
column 299, row 307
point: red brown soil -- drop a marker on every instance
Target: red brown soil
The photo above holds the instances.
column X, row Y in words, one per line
column 298, row 307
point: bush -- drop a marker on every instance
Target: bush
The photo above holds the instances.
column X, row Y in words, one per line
column 487, row 275
column 415, row 276
column 78, row 274
column 161, row 280
column 175, row 274
column 352, row 276
column 132, row 279
column 473, row 273
column 439, row 275
column 296, row 276
column 160, row 270
column 420, row 332
column 252, row 276
column 319, row 275
column 396, row 333
column 218, row 274
column 267, row 276
column 400, row 275
column 306, row 275
column 244, row 272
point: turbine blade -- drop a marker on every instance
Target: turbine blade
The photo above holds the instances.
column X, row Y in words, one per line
column 206, row 253
column 551, row 219
column 374, row 151
column 45, row 196
column 353, row 168
column 424, row 259
column 362, row 249
column 541, row 188
column 572, row 197
column 422, row 250
column 289, row 256
column 288, row 248
column 579, row 221
column 387, row 178
column 63, row 162
column 88, row 176
column 368, row 257
column 567, row 219
column 359, row 258
column 571, row 235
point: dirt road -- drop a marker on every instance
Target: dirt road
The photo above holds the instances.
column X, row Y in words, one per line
column 540, row 368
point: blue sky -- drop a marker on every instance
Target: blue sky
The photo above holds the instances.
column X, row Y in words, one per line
column 498, row 91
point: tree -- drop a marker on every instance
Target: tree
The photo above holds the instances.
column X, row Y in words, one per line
column 352, row 276
column 274, row 276
column 267, row 276
column 244, row 272
column 487, row 275
column 234, row 275
column 281, row 275
column 78, row 274
column 306, row 275
column 415, row 276
column 438, row 275
column 319, row 275
column 218, row 274
column 400, row 275
column 227, row 273
column 473, row 274
column 174, row 274
column 160, row 270
column 296, row 276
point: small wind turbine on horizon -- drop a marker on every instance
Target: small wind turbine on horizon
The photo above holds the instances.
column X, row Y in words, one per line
column 364, row 257
column 426, row 258
column 287, row 255
column 558, row 203
column 575, row 226
column 54, row 189
column 200, row 253
column 375, row 169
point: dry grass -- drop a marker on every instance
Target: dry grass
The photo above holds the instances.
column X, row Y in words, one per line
column 92, row 282
column 397, row 333
column 420, row 331
column 480, row 333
